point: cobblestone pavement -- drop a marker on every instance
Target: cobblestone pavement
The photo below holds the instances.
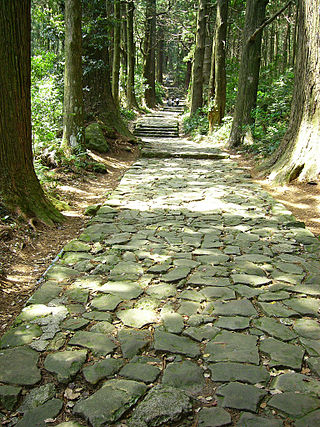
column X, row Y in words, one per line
column 191, row 299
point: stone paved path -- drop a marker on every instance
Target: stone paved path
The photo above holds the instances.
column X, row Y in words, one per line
column 192, row 298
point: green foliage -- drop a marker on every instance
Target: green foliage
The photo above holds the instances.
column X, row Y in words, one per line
column 272, row 113
column 197, row 123
column 160, row 93
column 232, row 73
column 47, row 100
column 128, row 115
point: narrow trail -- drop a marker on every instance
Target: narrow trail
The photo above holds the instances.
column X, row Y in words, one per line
column 191, row 299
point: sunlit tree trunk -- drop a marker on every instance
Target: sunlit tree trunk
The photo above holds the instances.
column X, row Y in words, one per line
column 249, row 71
column 73, row 138
column 20, row 190
column 197, row 71
column 116, row 51
column 149, row 69
column 131, row 97
column 218, row 104
column 298, row 156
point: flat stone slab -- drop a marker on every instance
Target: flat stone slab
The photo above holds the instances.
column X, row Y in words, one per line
column 137, row 318
column 251, row 420
column 230, row 371
column 65, row 364
column 200, row 333
column 132, row 341
column 233, row 323
column 106, row 302
column 74, row 324
column 173, row 322
column 39, row 415
column 140, row 371
column 215, row 292
column 37, row 397
column 282, row 354
column 97, row 343
column 310, row 420
column 250, row 279
column 185, row 375
column 232, row 347
column 102, row 369
column 234, row 308
column 21, row 335
column 295, row 405
column 276, row 309
column 162, row 291
column 19, row 366
column 274, row 328
column 123, row 289
column 314, row 364
column 9, row 396
column 108, row 404
column 176, row 274
column 241, row 396
column 307, row 328
column 304, row 306
column 297, row 383
column 163, row 405
column 164, row 341
column 213, row 417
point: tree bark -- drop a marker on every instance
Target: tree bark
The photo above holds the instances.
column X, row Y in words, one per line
column 73, row 135
column 160, row 56
column 116, row 51
column 249, row 71
column 149, row 69
column 218, row 107
column 131, row 96
column 298, row 156
column 197, row 72
column 20, row 190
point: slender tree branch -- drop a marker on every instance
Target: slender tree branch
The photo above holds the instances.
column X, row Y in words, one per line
column 268, row 21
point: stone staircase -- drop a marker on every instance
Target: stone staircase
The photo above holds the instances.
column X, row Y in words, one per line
column 157, row 126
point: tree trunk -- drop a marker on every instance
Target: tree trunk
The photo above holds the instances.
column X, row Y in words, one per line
column 73, row 138
column 149, row 69
column 188, row 75
column 20, row 190
column 160, row 56
column 131, row 96
column 249, row 71
column 207, row 59
column 218, row 107
column 298, row 156
column 116, row 51
column 197, row 72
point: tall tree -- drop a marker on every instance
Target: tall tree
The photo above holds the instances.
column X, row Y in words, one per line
column 197, row 72
column 298, row 156
column 116, row 51
column 218, row 103
column 149, row 69
column 73, row 136
column 100, row 104
column 131, row 96
column 249, row 70
column 20, row 190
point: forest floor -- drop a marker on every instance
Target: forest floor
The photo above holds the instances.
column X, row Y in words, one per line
column 26, row 253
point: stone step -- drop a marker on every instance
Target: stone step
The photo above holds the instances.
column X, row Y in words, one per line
column 148, row 154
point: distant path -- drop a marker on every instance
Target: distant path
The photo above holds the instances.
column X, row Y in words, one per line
column 192, row 297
